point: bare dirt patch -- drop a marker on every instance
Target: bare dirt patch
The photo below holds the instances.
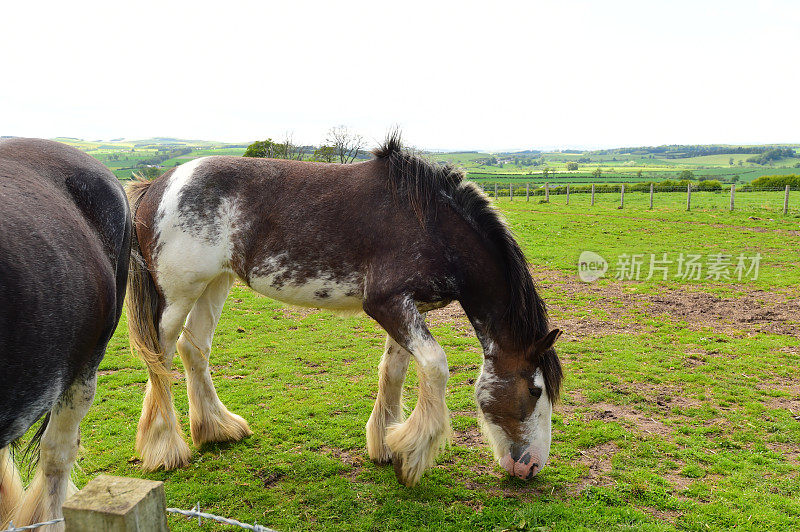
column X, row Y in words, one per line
column 756, row 310
column 598, row 461
column 629, row 416
column 350, row 457
column 470, row 436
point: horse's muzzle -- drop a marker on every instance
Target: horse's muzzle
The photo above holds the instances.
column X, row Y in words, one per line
column 522, row 462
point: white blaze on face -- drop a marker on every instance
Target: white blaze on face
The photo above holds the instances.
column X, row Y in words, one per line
column 538, row 427
column 533, row 451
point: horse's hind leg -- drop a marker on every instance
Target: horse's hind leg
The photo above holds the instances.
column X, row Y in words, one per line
column 57, row 451
column 10, row 486
column 415, row 443
column 388, row 408
column 159, row 438
column 208, row 417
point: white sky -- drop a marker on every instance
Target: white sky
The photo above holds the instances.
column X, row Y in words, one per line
column 452, row 74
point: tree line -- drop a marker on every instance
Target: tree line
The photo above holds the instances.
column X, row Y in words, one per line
column 341, row 146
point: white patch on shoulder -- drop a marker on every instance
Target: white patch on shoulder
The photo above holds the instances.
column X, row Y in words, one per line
column 190, row 254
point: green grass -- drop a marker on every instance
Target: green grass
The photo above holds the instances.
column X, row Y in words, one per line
column 664, row 423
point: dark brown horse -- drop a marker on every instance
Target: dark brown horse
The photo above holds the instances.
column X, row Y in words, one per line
column 395, row 236
column 65, row 233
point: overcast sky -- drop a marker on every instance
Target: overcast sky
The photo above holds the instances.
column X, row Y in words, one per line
column 452, row 74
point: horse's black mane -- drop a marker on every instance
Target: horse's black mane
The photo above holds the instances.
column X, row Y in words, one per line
column 420, row 182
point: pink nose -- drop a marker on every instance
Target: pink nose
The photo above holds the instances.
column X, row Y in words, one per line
column 525, row 467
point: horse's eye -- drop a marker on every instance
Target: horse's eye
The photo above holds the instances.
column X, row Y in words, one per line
column 535, row 392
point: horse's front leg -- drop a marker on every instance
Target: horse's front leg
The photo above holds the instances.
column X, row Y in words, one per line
column 388, row 408
column 415, row 443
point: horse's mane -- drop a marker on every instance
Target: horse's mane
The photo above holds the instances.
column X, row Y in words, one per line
column 420, row 183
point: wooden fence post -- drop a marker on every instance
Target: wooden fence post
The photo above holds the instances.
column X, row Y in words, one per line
column 511, row 191
column 622, row 196
column 592, row 194
column 733, row 191
column 786, row 200
column 527, row 191
column 495, row 192
column 546, row 193
column 689, row 197
column 117, row 504
column 651, row 196
column 567, row 193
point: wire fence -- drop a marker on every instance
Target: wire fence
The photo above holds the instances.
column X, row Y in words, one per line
column 12, row 528
column 651, row 196
column 193, row 513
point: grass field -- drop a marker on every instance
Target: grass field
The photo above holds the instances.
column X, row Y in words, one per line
column 681, row 407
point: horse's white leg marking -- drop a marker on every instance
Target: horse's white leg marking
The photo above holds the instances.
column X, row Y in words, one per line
column 388, row 407
column 159, row 439
column 208, row 417
column 57, row 452
column 11, row 491
column 416, row 442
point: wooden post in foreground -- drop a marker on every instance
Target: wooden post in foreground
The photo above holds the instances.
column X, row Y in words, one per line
column 651, row 196
column 592, row 194
column 546, row 193
column 527, row 191
column 786, row 200
column 117, row 504
column 511, row 191
column 689, row 197
column 733, row 191
column 622, row 196
column 567, row 193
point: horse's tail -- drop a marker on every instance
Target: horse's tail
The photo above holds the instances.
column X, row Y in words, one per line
column 143, row 304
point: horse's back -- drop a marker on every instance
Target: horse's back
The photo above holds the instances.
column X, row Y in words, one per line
column 297, row 231
column 64, row 239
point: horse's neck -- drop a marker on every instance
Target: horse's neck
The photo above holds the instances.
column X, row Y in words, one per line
column 487, row 313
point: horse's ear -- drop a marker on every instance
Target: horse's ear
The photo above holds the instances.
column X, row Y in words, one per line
column 543, row 344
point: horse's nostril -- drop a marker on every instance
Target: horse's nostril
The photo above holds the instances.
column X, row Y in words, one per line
column 516, row 451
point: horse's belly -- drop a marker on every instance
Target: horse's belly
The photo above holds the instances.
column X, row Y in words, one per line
column 318, row 292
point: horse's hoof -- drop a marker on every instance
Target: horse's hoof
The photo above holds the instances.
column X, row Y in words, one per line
column 397, row 463
column 402, row 477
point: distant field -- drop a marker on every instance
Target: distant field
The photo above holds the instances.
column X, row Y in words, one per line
column 125, row 157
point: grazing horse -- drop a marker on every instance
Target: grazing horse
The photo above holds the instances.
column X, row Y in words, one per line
column 65, row 236
column 394, row 237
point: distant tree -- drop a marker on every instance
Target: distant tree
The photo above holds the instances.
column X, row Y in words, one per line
column 324, row 154
column 346, row 144
column 639, row 174
column 686, row 174
column 598, row 173
column 735, row 179
column 545, row 172
column 741, row 163
column 275, row 150
column 571, row 166
column 261, row 148
column 730, row 161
